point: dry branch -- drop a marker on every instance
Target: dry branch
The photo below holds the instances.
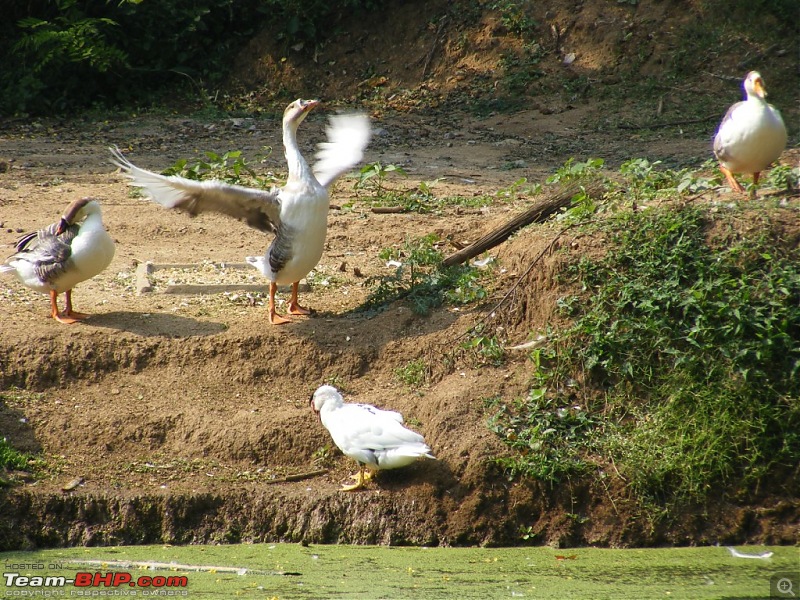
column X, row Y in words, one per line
column 299, row 476
column 388, row 210
column 538, row 213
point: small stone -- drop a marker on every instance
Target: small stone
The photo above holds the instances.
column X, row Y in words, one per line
column 73, row 484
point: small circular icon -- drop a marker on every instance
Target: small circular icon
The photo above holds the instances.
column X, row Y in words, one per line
column 784, row 586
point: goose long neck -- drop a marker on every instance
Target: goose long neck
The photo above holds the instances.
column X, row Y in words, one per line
column 93, row 222
column 298, row 167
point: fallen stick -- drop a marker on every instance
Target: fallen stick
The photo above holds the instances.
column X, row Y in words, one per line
column 388, row 210
column 298, row 476
column 538, row 213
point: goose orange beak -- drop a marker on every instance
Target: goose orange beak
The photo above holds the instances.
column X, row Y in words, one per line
column 758, row 84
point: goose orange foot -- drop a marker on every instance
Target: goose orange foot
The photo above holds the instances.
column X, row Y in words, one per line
column 735, row 185
column 296, row 309
column 274, row 317
column 69, row 316
column 361, row 478
column 294, row 305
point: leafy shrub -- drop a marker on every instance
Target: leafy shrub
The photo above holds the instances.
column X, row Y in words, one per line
column 686, row 348
column 229, row 167
column 550, row 439
column 61, row 54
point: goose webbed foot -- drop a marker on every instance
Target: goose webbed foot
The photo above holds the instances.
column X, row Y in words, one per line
column 362, row 477
column 294, row 305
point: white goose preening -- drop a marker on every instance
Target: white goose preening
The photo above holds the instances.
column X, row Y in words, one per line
column 297, row 213
column 751, row 136
column 57, row 258
column 374, row 438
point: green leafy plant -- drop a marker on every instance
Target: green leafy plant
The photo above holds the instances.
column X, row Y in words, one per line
column 572, row 170
column 71, row 37
column 13, row 459
column 526, row 533
column 684, row 340
column 323, row 456
column 520, row 187
column 487, row 348
column 229, row 167
column 419, row 278
column 413, row 374
column 784, row 177
column 372, row 176
column 644, row 181
column 63, row 54
column 514, row 16
column 550, row 439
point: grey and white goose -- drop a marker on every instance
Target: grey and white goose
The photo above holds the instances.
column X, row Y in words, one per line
column 297, row 213
column 55, row 259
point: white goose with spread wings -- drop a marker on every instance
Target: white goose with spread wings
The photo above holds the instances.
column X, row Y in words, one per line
column 375, row 438
column 752, row 135
column 56, row 258
column 297, row 213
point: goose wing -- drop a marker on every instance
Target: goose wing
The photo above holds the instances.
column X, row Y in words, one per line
column 348, row 135
column 358, row 427
column 722, row 138
column 260, row 209
column 47, row 251
column 381, row 413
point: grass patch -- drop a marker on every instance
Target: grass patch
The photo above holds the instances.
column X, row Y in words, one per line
column 684, row 341
column 413, row 374
column 12, row 459
column 420, row 278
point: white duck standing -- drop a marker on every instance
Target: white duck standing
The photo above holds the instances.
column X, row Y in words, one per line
column 57, row 258
column 375, row 438
column 297, row 213
column 752, row 135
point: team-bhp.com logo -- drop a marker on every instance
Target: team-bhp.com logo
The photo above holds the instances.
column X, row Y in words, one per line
column 154, row 585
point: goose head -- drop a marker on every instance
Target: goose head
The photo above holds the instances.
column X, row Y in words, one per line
column 323, row 395
column 297, row 111
column 754, row 85
column 77, row 212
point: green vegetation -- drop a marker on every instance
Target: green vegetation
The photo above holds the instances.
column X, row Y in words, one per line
column 13, row 459
column 486, row 348
column 420, row 278
column 680, row 368
column 372, row 177
column 294, row 571
column 63, row 54
column 229, row 167
column 414, row 373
